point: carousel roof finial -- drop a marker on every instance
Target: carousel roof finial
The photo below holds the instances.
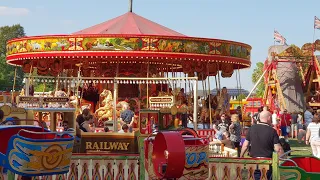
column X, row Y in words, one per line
column 130, row 5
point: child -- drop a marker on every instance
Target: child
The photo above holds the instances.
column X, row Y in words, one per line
column 285, row 145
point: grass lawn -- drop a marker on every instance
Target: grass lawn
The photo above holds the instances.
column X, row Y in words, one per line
column 299, row 146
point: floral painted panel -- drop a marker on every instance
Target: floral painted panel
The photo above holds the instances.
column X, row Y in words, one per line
column 173, row 45
column 183, row 46
column 112, row 44
column 38, row 45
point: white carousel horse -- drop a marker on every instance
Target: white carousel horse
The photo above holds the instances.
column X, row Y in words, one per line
column 107, row 97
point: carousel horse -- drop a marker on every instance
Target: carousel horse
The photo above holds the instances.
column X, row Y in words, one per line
column 205, row 111
column 107, row 97
column 106, row 109
column 22, row 93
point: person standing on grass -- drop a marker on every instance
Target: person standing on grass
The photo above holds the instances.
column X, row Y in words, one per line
column 294, row 124
column 263, row 140
column 285, row 124
column 308, row 116
column 313, row 136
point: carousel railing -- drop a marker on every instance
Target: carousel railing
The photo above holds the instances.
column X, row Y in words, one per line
column 112, row 166
column 93, row 166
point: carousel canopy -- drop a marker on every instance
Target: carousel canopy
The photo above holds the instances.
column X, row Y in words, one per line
column 130, row 23
column 133, row 42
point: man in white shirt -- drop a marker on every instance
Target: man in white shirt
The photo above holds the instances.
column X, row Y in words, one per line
column 308, row 116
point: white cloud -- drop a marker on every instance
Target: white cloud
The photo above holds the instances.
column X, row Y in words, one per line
column 9, row 11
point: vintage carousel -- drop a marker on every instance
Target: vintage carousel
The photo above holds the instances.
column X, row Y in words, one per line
column 129, row 59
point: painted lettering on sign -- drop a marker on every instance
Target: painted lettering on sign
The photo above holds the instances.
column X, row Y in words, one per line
column 195, row 159
column 119, row 146
column 18, row 110
column 55, row 99
column 165, row 99
column 28, row 99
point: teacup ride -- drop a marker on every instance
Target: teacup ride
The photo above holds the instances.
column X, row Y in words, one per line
column 177, row 154
column 299, row 167
column 35, row 151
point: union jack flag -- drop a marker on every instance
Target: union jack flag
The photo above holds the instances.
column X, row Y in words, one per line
column 316, row 22
column 279, row 38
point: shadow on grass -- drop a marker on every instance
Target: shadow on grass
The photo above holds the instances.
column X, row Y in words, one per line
column 295, row 145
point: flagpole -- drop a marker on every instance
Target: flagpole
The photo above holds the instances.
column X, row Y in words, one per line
column 314, row 33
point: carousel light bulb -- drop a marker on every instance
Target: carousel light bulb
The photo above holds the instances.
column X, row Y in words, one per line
column 105, row 81
column 41, row 80
column 45, row 80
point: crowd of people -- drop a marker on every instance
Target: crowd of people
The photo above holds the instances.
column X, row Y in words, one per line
column 269, row 133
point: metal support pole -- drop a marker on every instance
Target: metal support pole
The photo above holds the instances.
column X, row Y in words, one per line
column 195, row 107
column 255, row 86
column 14, row 84
column 115, row 95
column 27, row 85
column 210, row 110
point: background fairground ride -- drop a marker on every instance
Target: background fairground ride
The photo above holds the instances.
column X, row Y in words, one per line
column 291, row 75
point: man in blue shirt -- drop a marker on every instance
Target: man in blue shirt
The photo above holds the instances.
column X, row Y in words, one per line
column 127, row 116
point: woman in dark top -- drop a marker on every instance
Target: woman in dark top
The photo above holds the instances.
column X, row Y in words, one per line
column 81, row 118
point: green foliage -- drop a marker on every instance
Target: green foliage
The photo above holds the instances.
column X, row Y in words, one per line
column 39, row 87
column 257, row 73
column 241, row 96
column 7, row 71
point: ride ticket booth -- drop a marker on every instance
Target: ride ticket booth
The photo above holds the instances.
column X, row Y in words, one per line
column 51, row 110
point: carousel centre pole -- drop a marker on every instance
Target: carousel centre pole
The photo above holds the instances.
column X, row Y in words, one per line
column 195, row 104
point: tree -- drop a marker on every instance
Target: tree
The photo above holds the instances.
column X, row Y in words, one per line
column 7, row 71
column 257, row 73
column 240, row 97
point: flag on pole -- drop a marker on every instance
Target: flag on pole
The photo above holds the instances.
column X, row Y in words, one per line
column 316, row 22
column 279, row 38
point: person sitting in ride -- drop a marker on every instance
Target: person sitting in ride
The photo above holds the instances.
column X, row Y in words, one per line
column 125, row 129
column 127, row 116
column 221, row 127
column 225, row 140
column 61, row 93
column 85, row 126
column 9, row 121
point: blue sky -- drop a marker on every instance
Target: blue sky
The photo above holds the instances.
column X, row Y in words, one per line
column 248, row 21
